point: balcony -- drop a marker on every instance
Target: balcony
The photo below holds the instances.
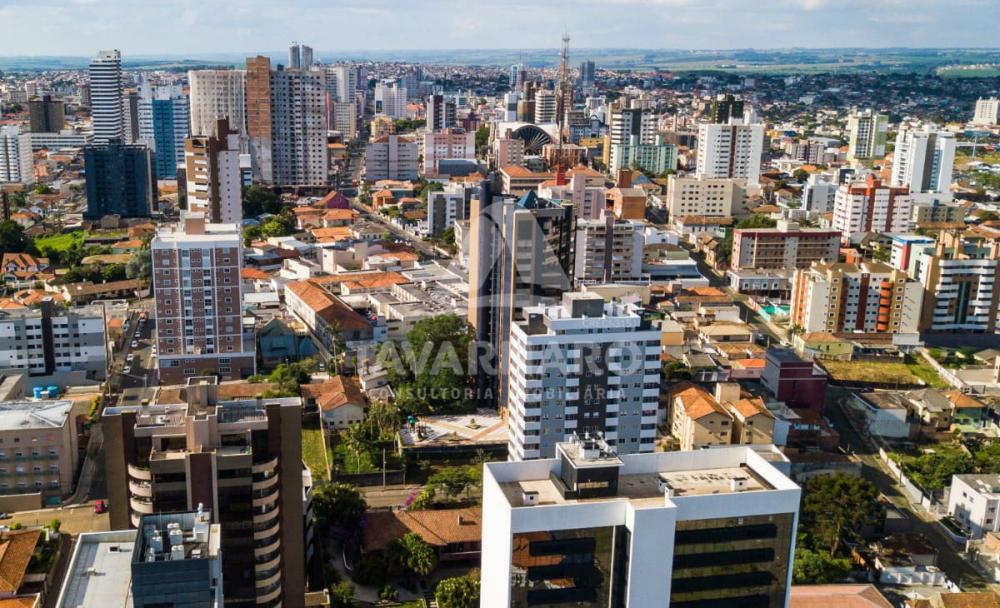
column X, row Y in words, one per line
column 270, row 547
column 265, row 467
column 145, row 507
column 141, row 489
column 264, row 484
column 272, row 579
column 269, row 596
column 267, row 499
column 268, row 566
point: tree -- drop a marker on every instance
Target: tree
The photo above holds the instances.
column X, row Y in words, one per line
column 250, row 234
column 838, row 506
column 448, row 236
column 258, row 200
column 342, row 595
column 140, row 266
column 430, row 366
column 12, row 239
column 413, row 554
column 276, row 226
column 458, row 592
column 801, row 175
column 482, row 137
column 339, row 505
column 818, row 567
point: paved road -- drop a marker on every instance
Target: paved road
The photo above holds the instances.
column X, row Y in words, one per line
column 391, row 496
column 140, row 371
column 75, row 520
column 949, row 558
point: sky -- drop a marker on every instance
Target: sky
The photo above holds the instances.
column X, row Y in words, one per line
column 190, row 28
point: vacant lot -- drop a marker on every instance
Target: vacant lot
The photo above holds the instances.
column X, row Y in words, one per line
column 884, row 372
column 57, row 243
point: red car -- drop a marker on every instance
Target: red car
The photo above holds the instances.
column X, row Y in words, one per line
column 100, row 506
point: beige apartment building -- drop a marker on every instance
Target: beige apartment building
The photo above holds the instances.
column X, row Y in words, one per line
column 783, row 247
column 38, row 448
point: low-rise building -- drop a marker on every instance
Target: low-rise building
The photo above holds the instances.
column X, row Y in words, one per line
column 796, row 382
column 786, row 246
column 38, row 448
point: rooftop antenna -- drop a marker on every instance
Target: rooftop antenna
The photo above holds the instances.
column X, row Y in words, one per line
column 564, row 101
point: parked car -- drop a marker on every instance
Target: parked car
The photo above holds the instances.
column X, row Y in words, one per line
column 100, row 506
column 135, row 344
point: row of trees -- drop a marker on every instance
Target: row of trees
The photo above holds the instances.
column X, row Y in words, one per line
column 835, row 508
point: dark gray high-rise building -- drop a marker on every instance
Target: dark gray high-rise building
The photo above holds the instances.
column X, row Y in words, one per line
column 121, row 179
column 588, row 73
column 441, row 112
column 47, row 115
column 239, row 460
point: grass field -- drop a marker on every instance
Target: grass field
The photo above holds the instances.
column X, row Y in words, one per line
column 884, row 372
column 314, row 453
column 59, row 242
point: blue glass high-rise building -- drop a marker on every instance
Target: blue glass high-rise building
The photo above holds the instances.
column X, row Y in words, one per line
column 164, row 123
column 121, row 179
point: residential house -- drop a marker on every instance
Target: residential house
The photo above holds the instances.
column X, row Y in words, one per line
column 339, row 400
column 281, row 342
column 697, row 419
column 455, row 534
column 22, row 266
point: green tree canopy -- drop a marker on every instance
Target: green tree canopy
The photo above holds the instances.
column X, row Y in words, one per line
column 835, row 507
column 258, row 200
column 339, row 505
column 12, row 239
column 818, row 567
column 458, row 592
column 140, row 266
column 414, row 555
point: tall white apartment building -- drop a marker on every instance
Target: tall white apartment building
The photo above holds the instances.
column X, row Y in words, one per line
column 608, row 250
column 16, row 162
column 730, row 150
column 106, row 96
column 49, row 339
column 924, row 160
column 961, row 278
column 987, row 112
column 344, row 118
column 630, row 126
column 391, row 157
column 199, row 323
column 451, row 143
column 344, row 80
column 700, row 528
column 216, row 94
column 298, row 128
column 870, row 206
column 704, row 196
column 582, row 366
column 212, row 170
column 390, row 99
column 545, row 106
column 868, row 131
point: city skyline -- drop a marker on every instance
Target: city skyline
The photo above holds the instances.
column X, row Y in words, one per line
column 251, row 26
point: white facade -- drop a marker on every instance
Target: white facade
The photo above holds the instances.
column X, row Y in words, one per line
column 545, row 107
column 78, row 341
column 704, row 196
column 871, row 207
column 987, row 112
column 298, row 128
column 214, row 177
column 867, row 135
column 609, row 250
column 106, row 96
column 344, row 80
column 447, row 144
column 960, row 292
column 560, row 381
column 216, row 94
column 390, row 99
column 16, row 162
column 443, row 208
column 659, row 506
column 819, row 193
column 974, row 501
column 730, row 150
column 630, row 126
column 924, row 160
column 67, row 138
column 345, row 120
column 391, row 157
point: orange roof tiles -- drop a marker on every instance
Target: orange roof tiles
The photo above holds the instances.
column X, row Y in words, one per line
column 254, row 274
column 839, row 596
column 438, row 528
column 333, row 233
column 697, row 401
column 334, row 393
column 16, row 549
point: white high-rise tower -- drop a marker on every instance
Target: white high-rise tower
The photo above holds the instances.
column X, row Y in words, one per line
column 106, row 96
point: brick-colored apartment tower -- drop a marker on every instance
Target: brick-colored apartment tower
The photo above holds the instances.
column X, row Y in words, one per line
column 196, row 279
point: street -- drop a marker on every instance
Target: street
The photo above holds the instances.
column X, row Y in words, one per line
column 948, row 559
column 140, row 370
column 369, row 214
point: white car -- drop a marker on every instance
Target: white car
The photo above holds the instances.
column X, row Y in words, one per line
column 127, row 369
column 130, row 357
column 135, row 344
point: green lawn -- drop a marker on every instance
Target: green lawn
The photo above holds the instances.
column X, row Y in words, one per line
column 314, row 453
column 59, row 242
column 885, row 372
column 348, row 462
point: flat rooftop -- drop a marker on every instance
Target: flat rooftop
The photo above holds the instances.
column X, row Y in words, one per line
column 24, row 415
column 100, row 573
column 482, row 427
column 647, row 487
